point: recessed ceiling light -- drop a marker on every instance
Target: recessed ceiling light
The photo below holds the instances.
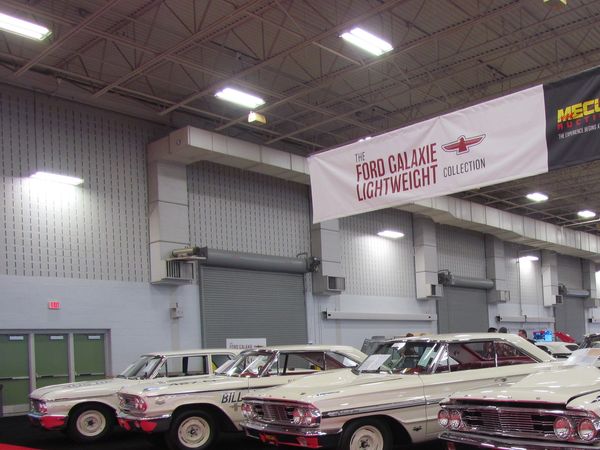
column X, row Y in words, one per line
column 240, row 98
column 586, row 214
column 390, row 234
column 55, row 178
column 23, row 28
column 529, row 258
column 537, row 197
column 367, row 41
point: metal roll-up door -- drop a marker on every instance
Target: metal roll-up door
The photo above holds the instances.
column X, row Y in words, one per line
column 570, row 317
column 239, row 303
column 462, row 310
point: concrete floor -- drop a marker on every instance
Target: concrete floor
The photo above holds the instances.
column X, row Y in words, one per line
column 18, row 431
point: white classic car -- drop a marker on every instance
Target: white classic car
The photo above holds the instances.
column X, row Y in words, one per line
column 190, row 415
column 558, row 349
column 87, row 409
column 392, row 397
column 551, row 409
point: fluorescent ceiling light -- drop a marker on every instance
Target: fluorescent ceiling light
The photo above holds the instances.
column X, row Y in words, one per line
column 64, row 179
column 23, row 28
column 537, row 197
column 240, row 98
column 390, row 234
column 365, row 139
column 586, row 214
column 367, row 41
column 529, row 258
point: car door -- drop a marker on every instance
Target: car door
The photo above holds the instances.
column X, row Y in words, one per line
column 470, row 365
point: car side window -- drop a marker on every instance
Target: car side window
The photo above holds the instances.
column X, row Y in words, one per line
column 335, row 360
column 298, row 364
column 470, row 355
column 509, row 355
column 218, row 360
column 180, row 366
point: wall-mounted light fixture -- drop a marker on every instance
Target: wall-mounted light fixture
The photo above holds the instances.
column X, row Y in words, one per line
column 529, row 258
column 55, row 178
column 390, row 234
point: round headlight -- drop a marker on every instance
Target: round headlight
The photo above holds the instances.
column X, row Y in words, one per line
column 563, row 428
column 443, row 418
column 586, row 430
column 311, row 417
column 455, row 419
column 298, row 416
column 247, row 411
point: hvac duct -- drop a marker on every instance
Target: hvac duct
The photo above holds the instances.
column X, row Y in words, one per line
column 251, row 261
column 568, row 292
column 446, row 278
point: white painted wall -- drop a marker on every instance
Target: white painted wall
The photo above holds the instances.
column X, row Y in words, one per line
column 136, row 315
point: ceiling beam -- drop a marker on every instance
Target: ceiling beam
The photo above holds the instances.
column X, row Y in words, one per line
column 63, row 38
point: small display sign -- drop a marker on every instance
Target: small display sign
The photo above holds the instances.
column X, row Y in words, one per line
column 243, row 344
column 53, row 304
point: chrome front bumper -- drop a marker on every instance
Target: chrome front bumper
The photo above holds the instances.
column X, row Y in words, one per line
column 501, row 443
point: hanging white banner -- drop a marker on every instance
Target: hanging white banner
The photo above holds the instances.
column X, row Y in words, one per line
column 500, row 140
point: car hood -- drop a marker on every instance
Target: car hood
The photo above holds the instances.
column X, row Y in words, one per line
column 558, row 386
column 330, row 386
column 81, row 389
column 198, row 385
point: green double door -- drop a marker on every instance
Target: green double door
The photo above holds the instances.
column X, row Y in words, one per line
column 88, row 353
column 49, row 353
column 14, row 369
column 51, row 359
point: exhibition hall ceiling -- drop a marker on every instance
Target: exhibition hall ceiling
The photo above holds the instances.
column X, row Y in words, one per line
column 168, row 58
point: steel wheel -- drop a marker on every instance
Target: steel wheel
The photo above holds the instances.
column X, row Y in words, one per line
column 192, row 430
column 367, row 434
column 89, row 423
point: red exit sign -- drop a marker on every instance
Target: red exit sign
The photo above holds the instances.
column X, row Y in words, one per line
column 53, row 304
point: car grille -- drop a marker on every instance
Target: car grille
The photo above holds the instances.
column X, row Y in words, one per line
column 274, row 413
column 512, row 420
column 523, row 423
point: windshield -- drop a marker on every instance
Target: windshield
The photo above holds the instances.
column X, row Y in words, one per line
column 142, row 368
column 591, row 341
column 402, row 357
column 248, row 364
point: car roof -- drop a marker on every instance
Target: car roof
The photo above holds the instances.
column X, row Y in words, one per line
column 468, row 337
column 197, row 351
column 343, row 349
column 460, row 337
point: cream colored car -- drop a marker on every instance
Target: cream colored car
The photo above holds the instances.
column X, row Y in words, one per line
column 392, row 397
column 86, row 410
column 190, row 415
column 550, row 409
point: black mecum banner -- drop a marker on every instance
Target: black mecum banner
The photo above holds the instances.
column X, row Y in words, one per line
column 573, row 119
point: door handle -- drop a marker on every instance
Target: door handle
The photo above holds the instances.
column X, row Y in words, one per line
column 501, row 380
